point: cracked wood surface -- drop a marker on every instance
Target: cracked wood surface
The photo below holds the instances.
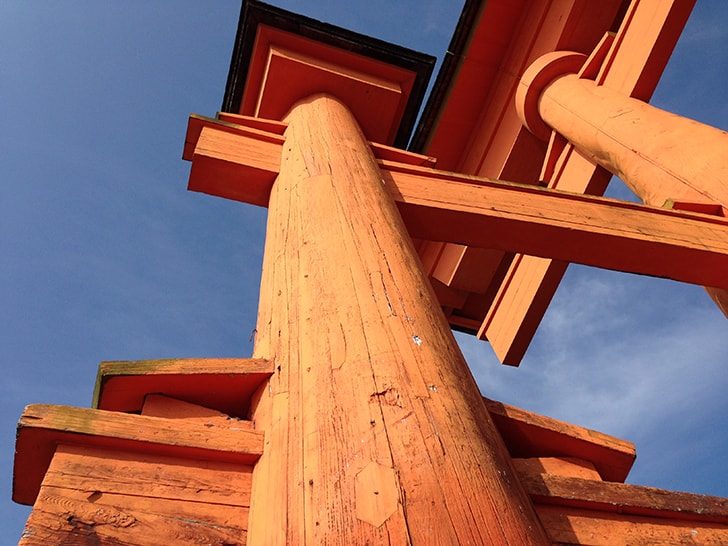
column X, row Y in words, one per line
column 366, row 369
column 43, row 426
column 101, row 496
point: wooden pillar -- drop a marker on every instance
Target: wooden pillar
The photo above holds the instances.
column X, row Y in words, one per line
column 660, row 156
column 376, row 432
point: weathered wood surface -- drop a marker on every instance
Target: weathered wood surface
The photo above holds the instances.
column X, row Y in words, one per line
column 577, row 228
column 42, row 426
column 631, row 63
column 622, row 498
column 224, row 384
column 157, row 405
column 573, row 526
column 98, row 496
column 370, row 390
column 237, row 157
column 381, row 151
column 558, row 466
column 488, row 214
column 529, row 434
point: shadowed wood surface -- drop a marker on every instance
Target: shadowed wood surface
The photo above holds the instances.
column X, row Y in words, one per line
column 99, row 496
column 224, row 384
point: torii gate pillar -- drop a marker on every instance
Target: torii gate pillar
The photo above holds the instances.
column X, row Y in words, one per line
column 375, row 428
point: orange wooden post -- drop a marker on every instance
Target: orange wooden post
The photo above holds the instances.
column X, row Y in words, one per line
column 659, row 155
column 665, row 159
column 375, row 429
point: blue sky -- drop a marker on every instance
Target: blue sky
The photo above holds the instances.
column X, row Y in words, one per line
column 104, row 255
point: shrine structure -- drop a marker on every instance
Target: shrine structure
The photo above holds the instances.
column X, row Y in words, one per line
column 357, row 420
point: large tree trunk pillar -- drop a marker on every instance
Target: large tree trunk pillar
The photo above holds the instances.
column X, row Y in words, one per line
column 375, row 430
column 660, row 156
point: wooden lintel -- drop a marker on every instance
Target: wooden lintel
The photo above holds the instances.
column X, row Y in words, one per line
column 575, row 228
column 237, row 157
column 244, row 126
column 567, row 525
column 528, row 434
column 623, row 498
column 159, row 405
column 390, row 153
column 42, row 427
column 223, row 384
column 241, row 166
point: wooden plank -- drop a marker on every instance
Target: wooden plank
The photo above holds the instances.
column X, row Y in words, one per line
column 105, row 492
column 529, row 434
column 519, row 305
column 234, row 165
column 570, row 227
column 624, row 498
column 643, row 45
column 560, row 466
column 255, row 129
column 389, row 153
column 589, row 528
column 634, row 64
column 42, row 426
column 240, row 162
column 98, row 472
column 223, row 384
column 268, row 125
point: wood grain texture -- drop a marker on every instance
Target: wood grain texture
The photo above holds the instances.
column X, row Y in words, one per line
column 623, row 498
column 42, row 426
column 157, row 405
column 223, row 384
column 577, row 228
column 100, row 496
column 366, row 369
column 529, row 434
column 571, row 526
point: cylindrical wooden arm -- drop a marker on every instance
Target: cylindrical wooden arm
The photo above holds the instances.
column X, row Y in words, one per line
column 660, row 156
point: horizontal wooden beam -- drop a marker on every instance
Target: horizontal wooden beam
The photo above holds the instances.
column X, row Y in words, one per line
column 624, row 498
column 566, row 525
column 42, row 427
column 238, row 157
column 589, row 230
column 222, row 384
column 241, row 163
column 527, row 434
